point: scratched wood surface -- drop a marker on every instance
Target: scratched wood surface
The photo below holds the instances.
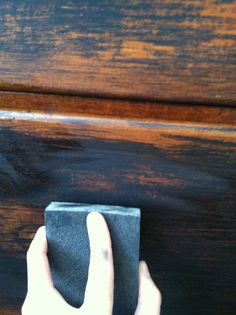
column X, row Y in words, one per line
column 181, row 51
column 181, row 174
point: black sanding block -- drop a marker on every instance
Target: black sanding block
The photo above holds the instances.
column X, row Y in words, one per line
column 68, row 251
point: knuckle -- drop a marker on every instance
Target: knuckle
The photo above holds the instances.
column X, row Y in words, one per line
column 154, row 292
column 29, row 253
column 158, row 295
column 24, row 308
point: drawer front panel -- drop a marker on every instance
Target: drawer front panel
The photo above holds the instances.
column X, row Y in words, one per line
column 157, row 50
column 181, row 175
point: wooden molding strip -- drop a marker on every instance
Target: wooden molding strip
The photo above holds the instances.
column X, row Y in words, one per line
column 82, row 106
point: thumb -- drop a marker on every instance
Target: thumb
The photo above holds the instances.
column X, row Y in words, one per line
column 38, row 270
column 41, row 295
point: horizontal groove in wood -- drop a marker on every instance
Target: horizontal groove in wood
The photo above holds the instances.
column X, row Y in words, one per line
column 71, row 106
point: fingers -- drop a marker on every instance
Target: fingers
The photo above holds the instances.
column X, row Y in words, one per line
column 39, row 276
column 149, row 300
column 100, row 285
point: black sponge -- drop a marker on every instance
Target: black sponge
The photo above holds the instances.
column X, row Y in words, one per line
column 68, row 251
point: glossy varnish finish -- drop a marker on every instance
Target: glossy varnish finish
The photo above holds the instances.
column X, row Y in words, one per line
column 181, row 51
column 181, row 173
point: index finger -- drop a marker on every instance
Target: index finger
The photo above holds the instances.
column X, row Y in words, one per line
column 100, row 284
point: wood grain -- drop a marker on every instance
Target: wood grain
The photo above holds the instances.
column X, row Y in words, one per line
column 181, row 51
column 182, row 176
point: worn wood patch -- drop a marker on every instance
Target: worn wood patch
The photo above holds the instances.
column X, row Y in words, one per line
column 182, row 176
column 180, row 51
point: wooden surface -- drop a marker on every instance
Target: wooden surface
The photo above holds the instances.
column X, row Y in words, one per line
column 181, row 174
column 181, row 51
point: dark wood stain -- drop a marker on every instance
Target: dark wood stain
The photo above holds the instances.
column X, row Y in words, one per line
column 181, row 174
column 181, row 51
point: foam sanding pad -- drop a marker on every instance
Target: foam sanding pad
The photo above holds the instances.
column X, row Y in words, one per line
column 69, row 253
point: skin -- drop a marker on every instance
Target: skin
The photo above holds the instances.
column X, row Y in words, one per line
column 43, row 298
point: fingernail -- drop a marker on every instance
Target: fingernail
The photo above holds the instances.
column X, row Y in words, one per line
column 94, row 218
column 145, row 270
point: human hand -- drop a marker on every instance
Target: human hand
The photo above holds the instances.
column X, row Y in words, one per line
column 43, row 299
